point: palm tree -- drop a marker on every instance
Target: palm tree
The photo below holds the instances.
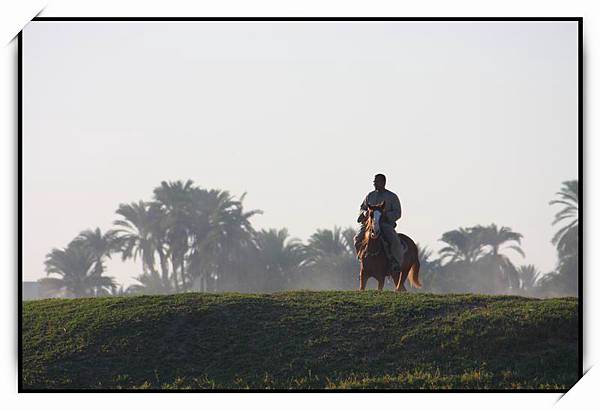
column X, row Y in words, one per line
column 174, row 201
column 566, row 238
column 114, row 291
column 528, row 275
column 158, row 236
column 348, row 236
column 330, row 258
column 150, row 283
column 464, row 244
column 200, row 233
column 221, row 235
column 493, row 237
column 429, row 269
column 100, row 245
column 279, row 256
column 326, row 242
column 134, row 233
column 77, row 269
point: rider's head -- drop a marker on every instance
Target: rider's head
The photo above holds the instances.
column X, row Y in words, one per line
column 379, row 182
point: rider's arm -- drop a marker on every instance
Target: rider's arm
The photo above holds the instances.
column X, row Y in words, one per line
column 363, row 208
column 365, row 205
column 395, row 210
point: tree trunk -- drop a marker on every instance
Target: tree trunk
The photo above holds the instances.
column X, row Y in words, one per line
column 164, row 266
column 182, row 272
column 174, row 264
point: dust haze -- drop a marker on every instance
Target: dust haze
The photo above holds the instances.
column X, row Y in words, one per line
column 235, row 155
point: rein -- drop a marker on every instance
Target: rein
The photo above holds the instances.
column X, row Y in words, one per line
column 368, row 253
column 371, row 254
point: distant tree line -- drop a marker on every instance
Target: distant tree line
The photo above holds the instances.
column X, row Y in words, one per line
column 193, row 239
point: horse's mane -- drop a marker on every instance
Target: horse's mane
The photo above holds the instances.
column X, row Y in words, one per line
column 365, row 241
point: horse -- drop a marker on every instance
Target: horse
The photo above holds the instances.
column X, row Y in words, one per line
column 374, row 262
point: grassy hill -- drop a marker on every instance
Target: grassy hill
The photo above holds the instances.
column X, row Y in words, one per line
column 301, row 340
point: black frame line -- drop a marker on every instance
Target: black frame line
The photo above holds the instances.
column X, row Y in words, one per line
column 20, row 207
column 580, row 128
column 307, row 19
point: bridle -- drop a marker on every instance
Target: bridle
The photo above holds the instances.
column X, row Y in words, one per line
column 375, row 230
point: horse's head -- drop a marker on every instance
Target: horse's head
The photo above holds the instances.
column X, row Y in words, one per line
column 374, row 213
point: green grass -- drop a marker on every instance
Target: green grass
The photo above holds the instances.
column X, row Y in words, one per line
column 301, row 340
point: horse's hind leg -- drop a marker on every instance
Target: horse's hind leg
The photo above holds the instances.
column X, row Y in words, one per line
column 396, row 279
column 400, row 286
column 380, row 283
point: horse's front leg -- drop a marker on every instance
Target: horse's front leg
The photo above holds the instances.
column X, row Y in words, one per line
column 363, row 280
column 380, row 283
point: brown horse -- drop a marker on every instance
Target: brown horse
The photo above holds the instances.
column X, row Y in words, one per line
column 374, row 262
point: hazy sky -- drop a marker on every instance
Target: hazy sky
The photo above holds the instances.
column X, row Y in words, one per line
column 473, row 123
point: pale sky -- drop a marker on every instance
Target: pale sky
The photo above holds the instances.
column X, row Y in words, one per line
column 472, row 123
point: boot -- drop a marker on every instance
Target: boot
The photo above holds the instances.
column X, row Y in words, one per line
column 394, row 265
column 398, row 256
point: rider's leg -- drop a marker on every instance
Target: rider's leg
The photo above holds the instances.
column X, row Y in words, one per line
column 390, row 235
column 358, row 238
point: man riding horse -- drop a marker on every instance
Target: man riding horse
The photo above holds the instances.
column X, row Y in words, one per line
column 391, row 213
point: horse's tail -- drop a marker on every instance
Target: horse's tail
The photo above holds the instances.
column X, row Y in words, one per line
column 413, row 259
column 413, row 275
